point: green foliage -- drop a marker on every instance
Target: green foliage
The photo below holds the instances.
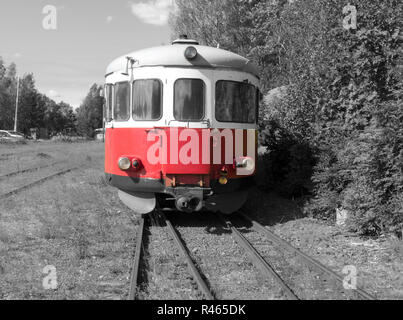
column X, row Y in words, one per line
column 339, row 123
column 355, row 117
column 35, row 109
column 10, row 142
column 90, row 113
column 289, row 163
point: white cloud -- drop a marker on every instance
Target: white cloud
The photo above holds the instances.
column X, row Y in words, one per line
column 17, row 55
column 109, row 19
column 154, row 12
column 52, row 94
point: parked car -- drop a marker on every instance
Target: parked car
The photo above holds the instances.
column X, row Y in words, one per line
column 17, row 134
column 11, row 135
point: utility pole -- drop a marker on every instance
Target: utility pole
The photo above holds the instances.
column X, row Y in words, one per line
column 16, row 105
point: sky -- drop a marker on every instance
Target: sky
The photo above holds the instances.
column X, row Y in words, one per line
column 69, row 53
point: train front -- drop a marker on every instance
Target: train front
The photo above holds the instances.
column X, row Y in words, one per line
column 181, row 128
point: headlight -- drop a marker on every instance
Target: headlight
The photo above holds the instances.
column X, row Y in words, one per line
column 124, row 164
column 246, row 163
column 190, row 53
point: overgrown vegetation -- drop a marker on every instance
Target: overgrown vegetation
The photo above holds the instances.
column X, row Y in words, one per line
column 11, row 142
column 75, row 223
column 38, row 111
column 336, row 132
column 90, row 113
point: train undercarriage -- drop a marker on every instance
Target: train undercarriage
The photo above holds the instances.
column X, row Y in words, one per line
column 144, row 195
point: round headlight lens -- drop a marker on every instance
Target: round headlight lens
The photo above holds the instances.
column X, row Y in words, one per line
column 248, row 164
column 124, row 164
column 190, row 53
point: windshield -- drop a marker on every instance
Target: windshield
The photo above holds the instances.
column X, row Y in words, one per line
column 147, row 99
column 189, row 100
column 236, row 102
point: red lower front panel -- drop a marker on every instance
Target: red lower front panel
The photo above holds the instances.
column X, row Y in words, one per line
column 171, row 153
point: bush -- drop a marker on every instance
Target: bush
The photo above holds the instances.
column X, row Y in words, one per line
column 338, row 122
column 13, row 142
column 365, row 176
column 68, row 139
column 289, row 163
column 346, row 108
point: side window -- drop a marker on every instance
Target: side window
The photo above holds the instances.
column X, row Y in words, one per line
column 121, row 110
column 147, row 99
column 108, row 102
column 189, row 100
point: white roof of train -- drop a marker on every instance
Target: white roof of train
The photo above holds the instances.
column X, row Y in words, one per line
column 173, row 56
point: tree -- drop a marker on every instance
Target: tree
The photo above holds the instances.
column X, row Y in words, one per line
column 35, row 109
column 342, row 107
column 27, row 104
column 247, row 27
column 3, row 94
column 225, row 23
column 90, row 113
column 2, row 69
column 344, row 99
column 8, row 87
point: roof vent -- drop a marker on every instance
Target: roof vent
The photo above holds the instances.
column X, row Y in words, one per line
column 183, row 39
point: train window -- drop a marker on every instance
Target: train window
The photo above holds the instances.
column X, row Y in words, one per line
column 121, row 111
column 189, row 100
column 147, row 99
column 109, row 102
column 236, row 102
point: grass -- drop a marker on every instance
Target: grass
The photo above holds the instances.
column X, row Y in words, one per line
column 12, row 142
column 74, row 222
column 77, row 224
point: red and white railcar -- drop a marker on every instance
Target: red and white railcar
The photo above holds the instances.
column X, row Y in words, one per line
column 181, row 128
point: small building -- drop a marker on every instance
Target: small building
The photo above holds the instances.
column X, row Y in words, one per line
column 100, row 134
column 41, row 133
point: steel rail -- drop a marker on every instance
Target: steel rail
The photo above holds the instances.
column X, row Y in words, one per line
column 203, row 287
column 30, row 185
column 258, row 260
column 11, row 174
column 260, row 228
column 134, row 281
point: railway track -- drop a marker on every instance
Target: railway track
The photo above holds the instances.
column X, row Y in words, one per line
column 265, row 268
column 36, row 182
column 135, row 275
column 26, row 170
column 135, row 280
column 309, row 260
